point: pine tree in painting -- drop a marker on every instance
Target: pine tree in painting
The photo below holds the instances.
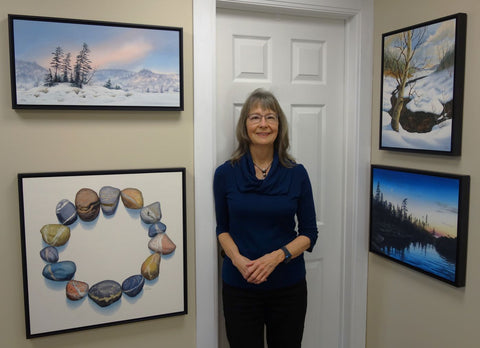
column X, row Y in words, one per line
column 82, row 67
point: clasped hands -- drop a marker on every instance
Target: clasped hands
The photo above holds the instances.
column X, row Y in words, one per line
column 257, row 271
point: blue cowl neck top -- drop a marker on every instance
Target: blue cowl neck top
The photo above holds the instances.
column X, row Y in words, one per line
column 263, row 215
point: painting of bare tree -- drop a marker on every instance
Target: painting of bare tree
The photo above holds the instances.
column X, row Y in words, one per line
column 422, row 87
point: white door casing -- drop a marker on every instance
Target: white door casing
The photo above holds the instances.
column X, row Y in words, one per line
column 301, row 60
column 357, row 107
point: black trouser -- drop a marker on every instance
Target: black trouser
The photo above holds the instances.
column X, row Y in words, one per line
column 281, row 311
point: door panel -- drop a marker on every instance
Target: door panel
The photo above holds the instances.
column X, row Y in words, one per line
column 301, row 60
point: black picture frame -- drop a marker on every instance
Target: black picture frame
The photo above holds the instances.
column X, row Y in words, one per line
column 424, row 63
column 75, row 64
column 126, row 264
column 419, row 219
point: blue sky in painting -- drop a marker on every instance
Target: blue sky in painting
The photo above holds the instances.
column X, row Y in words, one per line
column 438, row 38
column 131, row 49
column 427, row 195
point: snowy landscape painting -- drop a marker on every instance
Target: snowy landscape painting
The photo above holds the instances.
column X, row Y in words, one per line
column 78, row 64
column 422, row 87
column 419, row 219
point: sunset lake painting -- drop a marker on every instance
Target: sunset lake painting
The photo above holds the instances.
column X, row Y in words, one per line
column 418, row 219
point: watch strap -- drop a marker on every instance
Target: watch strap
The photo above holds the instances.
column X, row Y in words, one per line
column 288, row 255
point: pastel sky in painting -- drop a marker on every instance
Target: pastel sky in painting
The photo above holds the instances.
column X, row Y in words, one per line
column 435, row 196
column 111, row 47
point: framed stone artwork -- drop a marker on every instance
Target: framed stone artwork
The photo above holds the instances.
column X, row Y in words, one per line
column 419, row 219
column 102, row 248
column 59, row 63
column 423, row 72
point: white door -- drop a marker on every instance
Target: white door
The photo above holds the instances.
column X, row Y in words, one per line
column 301, row 60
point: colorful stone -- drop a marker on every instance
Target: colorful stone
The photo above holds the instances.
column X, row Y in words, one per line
column 156, row 228
column 66, row 212
column 49, row 254
column 109, row 198
column 151, row 267
column 87, row 203
column 133, row 285
column 55, row 234
column 151, row 213
column 76, row 290
column 162, row 244
column 105, row 293
column 132, row 198
column 60, row 271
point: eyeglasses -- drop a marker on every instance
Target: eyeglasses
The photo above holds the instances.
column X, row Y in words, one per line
column 256, row 118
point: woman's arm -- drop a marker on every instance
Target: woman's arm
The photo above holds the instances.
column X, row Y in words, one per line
column 297, row 246
column 231, row 250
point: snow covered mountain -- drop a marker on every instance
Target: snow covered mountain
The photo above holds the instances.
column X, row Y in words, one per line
column 144, row 81
column 30, row 75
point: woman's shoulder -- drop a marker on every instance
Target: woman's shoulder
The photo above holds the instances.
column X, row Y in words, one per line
column 225, row 168
column 299, row 171
column 298, row 167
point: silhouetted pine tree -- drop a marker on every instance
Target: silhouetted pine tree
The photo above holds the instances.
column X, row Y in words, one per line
column 108, row 84
column 56, row 63
column 404, row 209
column 82, row 67
column 66, row 67
column 49, row 82
column 377, row 192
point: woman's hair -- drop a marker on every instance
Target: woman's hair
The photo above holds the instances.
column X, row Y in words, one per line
column 267, row 101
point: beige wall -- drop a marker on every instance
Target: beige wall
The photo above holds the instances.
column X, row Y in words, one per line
column 30, row 141
column 406, row 308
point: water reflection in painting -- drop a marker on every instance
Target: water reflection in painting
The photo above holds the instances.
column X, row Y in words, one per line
column 415, row 219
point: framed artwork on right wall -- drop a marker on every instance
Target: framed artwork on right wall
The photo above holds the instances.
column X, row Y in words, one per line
column 419, row 219
column 423, row 69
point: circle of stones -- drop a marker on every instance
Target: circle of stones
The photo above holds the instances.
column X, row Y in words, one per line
column 87, row 208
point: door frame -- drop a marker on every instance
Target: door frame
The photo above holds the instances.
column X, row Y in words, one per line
column 357, row 118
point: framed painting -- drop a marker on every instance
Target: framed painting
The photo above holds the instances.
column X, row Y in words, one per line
column 58, row 63
column 100, row 248
column 420, row 219
column 423, row 69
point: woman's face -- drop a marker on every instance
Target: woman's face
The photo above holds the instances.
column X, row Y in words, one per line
column 262, row 126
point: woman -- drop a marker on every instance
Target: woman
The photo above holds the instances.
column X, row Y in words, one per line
column 258, row 194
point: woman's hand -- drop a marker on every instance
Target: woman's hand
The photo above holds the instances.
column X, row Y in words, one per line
column 241, row 263
column 231, row 250
column 261, row 268
column 257, row 271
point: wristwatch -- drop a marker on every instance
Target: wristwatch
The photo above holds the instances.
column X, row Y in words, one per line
column 288, row 256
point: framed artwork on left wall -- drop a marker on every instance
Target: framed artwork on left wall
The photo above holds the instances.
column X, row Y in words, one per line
column 102, row 248
column 59, row 63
